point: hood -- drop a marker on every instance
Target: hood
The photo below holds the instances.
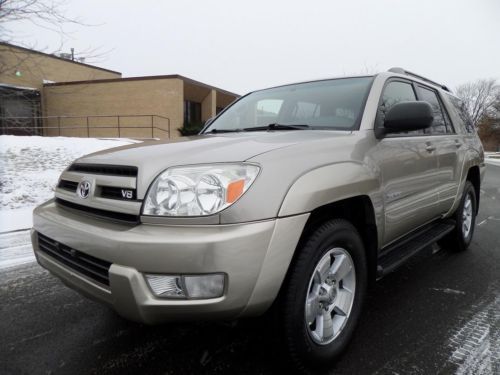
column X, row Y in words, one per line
column 155, row 156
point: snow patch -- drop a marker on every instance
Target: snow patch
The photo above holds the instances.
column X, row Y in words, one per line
column 448, row 290
column 29, row 170
column 476, row 345
column 15, row 249
column 11, row 220
column 492, row 161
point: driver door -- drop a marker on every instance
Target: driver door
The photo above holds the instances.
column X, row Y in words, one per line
column 408, row 169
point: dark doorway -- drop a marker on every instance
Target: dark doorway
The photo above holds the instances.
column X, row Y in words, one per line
column 20, row 111
column 192, row 112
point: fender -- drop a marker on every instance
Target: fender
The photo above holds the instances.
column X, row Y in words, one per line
column 332, row 183
column 471, row 158
column 318, row 187
column 328, row 184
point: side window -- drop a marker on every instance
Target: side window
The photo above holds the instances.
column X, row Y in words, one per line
column 397, row 92
column 441, row 123
column 465, row 121
column 449, row 126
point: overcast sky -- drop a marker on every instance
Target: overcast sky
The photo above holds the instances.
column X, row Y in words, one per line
column 241, row 46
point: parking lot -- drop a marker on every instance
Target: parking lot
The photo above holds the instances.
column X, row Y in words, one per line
column 438, row 314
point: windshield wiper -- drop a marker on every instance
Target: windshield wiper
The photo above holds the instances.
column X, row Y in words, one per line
column 273, row 126
column 215, row 131
column 276, row 126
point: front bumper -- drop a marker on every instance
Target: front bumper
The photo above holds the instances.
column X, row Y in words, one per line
column 253, row 256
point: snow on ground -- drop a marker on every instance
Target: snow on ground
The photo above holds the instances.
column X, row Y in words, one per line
column 11, row 220
column 30, row 168
column 15, row 249
column 492, row 161
column 476, row 344
column 492, row 158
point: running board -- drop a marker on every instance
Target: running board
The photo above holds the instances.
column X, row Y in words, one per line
column 397, row 254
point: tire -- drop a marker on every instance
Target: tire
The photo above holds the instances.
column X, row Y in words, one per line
column 317, row 342
column 465, row 217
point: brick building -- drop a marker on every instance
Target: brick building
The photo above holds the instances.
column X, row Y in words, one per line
column 50, row 95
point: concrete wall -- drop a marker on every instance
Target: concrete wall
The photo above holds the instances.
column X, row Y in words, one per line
column 203, row 95
column 126, row 98
column 209, row 98
column 34, row 67
column 208, row 107
column 223, row 99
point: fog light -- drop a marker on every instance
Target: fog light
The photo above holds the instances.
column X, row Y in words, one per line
column 205, row 286
column 189, row 286
column 166, row 286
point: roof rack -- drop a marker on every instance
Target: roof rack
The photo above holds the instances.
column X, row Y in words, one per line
column 406, row 72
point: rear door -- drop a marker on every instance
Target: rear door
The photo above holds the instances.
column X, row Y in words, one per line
column 447, row 143
column 408, row 168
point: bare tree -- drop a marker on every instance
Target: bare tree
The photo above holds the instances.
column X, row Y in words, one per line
column 481, row 99
column 49, row 15
column 20, row 107
column 46, row 14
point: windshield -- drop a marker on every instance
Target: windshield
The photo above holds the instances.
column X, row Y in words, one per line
column 335, row 104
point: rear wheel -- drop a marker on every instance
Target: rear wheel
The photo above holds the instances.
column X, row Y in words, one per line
column 324, row 295
column 465, row 217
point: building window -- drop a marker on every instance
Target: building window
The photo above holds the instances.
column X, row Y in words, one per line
column 192, row 112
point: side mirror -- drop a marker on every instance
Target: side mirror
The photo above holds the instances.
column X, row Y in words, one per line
column 406, row 116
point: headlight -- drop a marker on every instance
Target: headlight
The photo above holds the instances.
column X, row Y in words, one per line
column 198, row 190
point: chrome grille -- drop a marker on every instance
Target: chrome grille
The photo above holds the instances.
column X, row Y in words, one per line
column 110, row 170
column 111, row 193
column 68, row 185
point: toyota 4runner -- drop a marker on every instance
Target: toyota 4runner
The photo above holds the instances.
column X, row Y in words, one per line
column 294, row 196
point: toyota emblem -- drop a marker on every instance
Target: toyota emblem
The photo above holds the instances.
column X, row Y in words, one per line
column 83, row 189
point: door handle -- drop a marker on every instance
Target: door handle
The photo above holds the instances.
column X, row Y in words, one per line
column 458, row 144
column 430, row 148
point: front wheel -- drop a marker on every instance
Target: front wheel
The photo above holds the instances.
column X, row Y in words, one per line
column 324, row 295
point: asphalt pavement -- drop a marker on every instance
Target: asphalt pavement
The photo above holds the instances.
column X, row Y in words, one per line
column 440, row 313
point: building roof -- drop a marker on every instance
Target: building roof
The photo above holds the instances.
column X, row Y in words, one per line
column 57, row 57
column 144, row 78
column 14, row 87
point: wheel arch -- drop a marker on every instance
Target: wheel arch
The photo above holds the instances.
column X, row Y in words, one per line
column 347, row 190
column 359, row 211
column 329, row 184
column 474, row 176
column 472, row 170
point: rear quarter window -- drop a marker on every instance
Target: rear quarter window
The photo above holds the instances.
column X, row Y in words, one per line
column 461, row 114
